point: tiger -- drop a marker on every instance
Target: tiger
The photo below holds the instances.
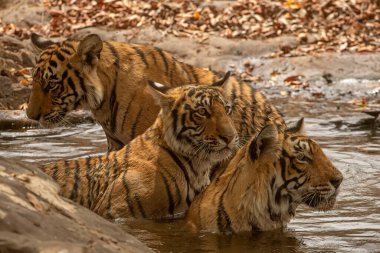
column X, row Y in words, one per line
column 157, row 174
column 109, row 78
column 264, row 184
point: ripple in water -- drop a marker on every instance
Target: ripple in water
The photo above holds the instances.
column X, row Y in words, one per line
column 353, row 226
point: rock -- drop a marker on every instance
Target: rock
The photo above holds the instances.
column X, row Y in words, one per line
column 34, row 218
column 17, row 119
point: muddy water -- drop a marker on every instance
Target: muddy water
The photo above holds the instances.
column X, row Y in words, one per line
column 353, row 226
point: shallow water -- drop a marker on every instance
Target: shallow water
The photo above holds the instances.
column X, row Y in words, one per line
column 353, row 226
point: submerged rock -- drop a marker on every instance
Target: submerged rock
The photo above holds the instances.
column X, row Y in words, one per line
column 34, row 218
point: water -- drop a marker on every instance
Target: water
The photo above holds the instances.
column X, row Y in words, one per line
column 353, row 226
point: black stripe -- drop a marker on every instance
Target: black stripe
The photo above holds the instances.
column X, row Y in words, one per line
column 64, row 50
column 161, row 53
column 283, row 168
column 175, row 119
column 114, row 175
column 188, row 75
column 183, row 169
column 66, row 44
column 115, row 108
column 94, row 187
column 194, row 74
column 59, row 56
column 55, row 172
column 169, row 193
column 53, row 63
column 233, row 97
column 81, row 81
column 127, row 199
column 67, row 174
column 64, row 75
column 139, row 205
column 133, row 129
column 172, row 71
column 114, row 105
column 294, row 167
column 74, row 192
column 190, row 94
column 153, row 57
column 141, row 54
column 127, row 110
column 72, row 86
column 109, row 205
column 89, row 182
column 252, row 108
column 174, row 181
column 223, row 220
column 125, row 183
column 107, row 168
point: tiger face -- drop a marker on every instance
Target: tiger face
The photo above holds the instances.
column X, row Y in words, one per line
column 197, row 120
column 63, row 78
column 303, row 174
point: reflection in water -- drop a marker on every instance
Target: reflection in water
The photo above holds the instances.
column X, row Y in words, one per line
column 353, row 226
column 171, row 236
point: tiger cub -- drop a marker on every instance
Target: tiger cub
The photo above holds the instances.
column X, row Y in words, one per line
column 109, row 78
column 158, row 173
column 265, row 182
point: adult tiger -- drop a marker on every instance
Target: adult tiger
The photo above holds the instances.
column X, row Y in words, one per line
column 265, row 182
column 109, row 78
column 159, row 172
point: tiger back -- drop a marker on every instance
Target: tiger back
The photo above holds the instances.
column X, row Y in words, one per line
column 109, row 78
column 158, row 173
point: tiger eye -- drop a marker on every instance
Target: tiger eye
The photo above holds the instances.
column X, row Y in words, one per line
column 202, row 111
column 300, row 157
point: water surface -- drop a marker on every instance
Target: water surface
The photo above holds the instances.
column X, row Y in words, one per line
column 353, row 226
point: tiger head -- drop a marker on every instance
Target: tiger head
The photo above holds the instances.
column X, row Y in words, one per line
column 64, row 77
column 196, row 120
column 296, row 172
column 315, row 179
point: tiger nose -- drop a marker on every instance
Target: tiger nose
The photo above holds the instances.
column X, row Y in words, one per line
column 336, row 181
column 227, row 138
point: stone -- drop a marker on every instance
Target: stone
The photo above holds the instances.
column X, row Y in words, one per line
column 34, row 218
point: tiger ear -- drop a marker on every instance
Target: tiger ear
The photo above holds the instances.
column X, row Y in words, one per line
column 89, row 49
column 223, row 81
column 39, row 42
column 159, row 93
column 265, row 146
column 297, row 128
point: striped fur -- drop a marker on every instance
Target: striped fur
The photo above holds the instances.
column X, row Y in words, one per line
column 107, row 77
column 158, row 173
column 110, row 79
column 264, row 183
